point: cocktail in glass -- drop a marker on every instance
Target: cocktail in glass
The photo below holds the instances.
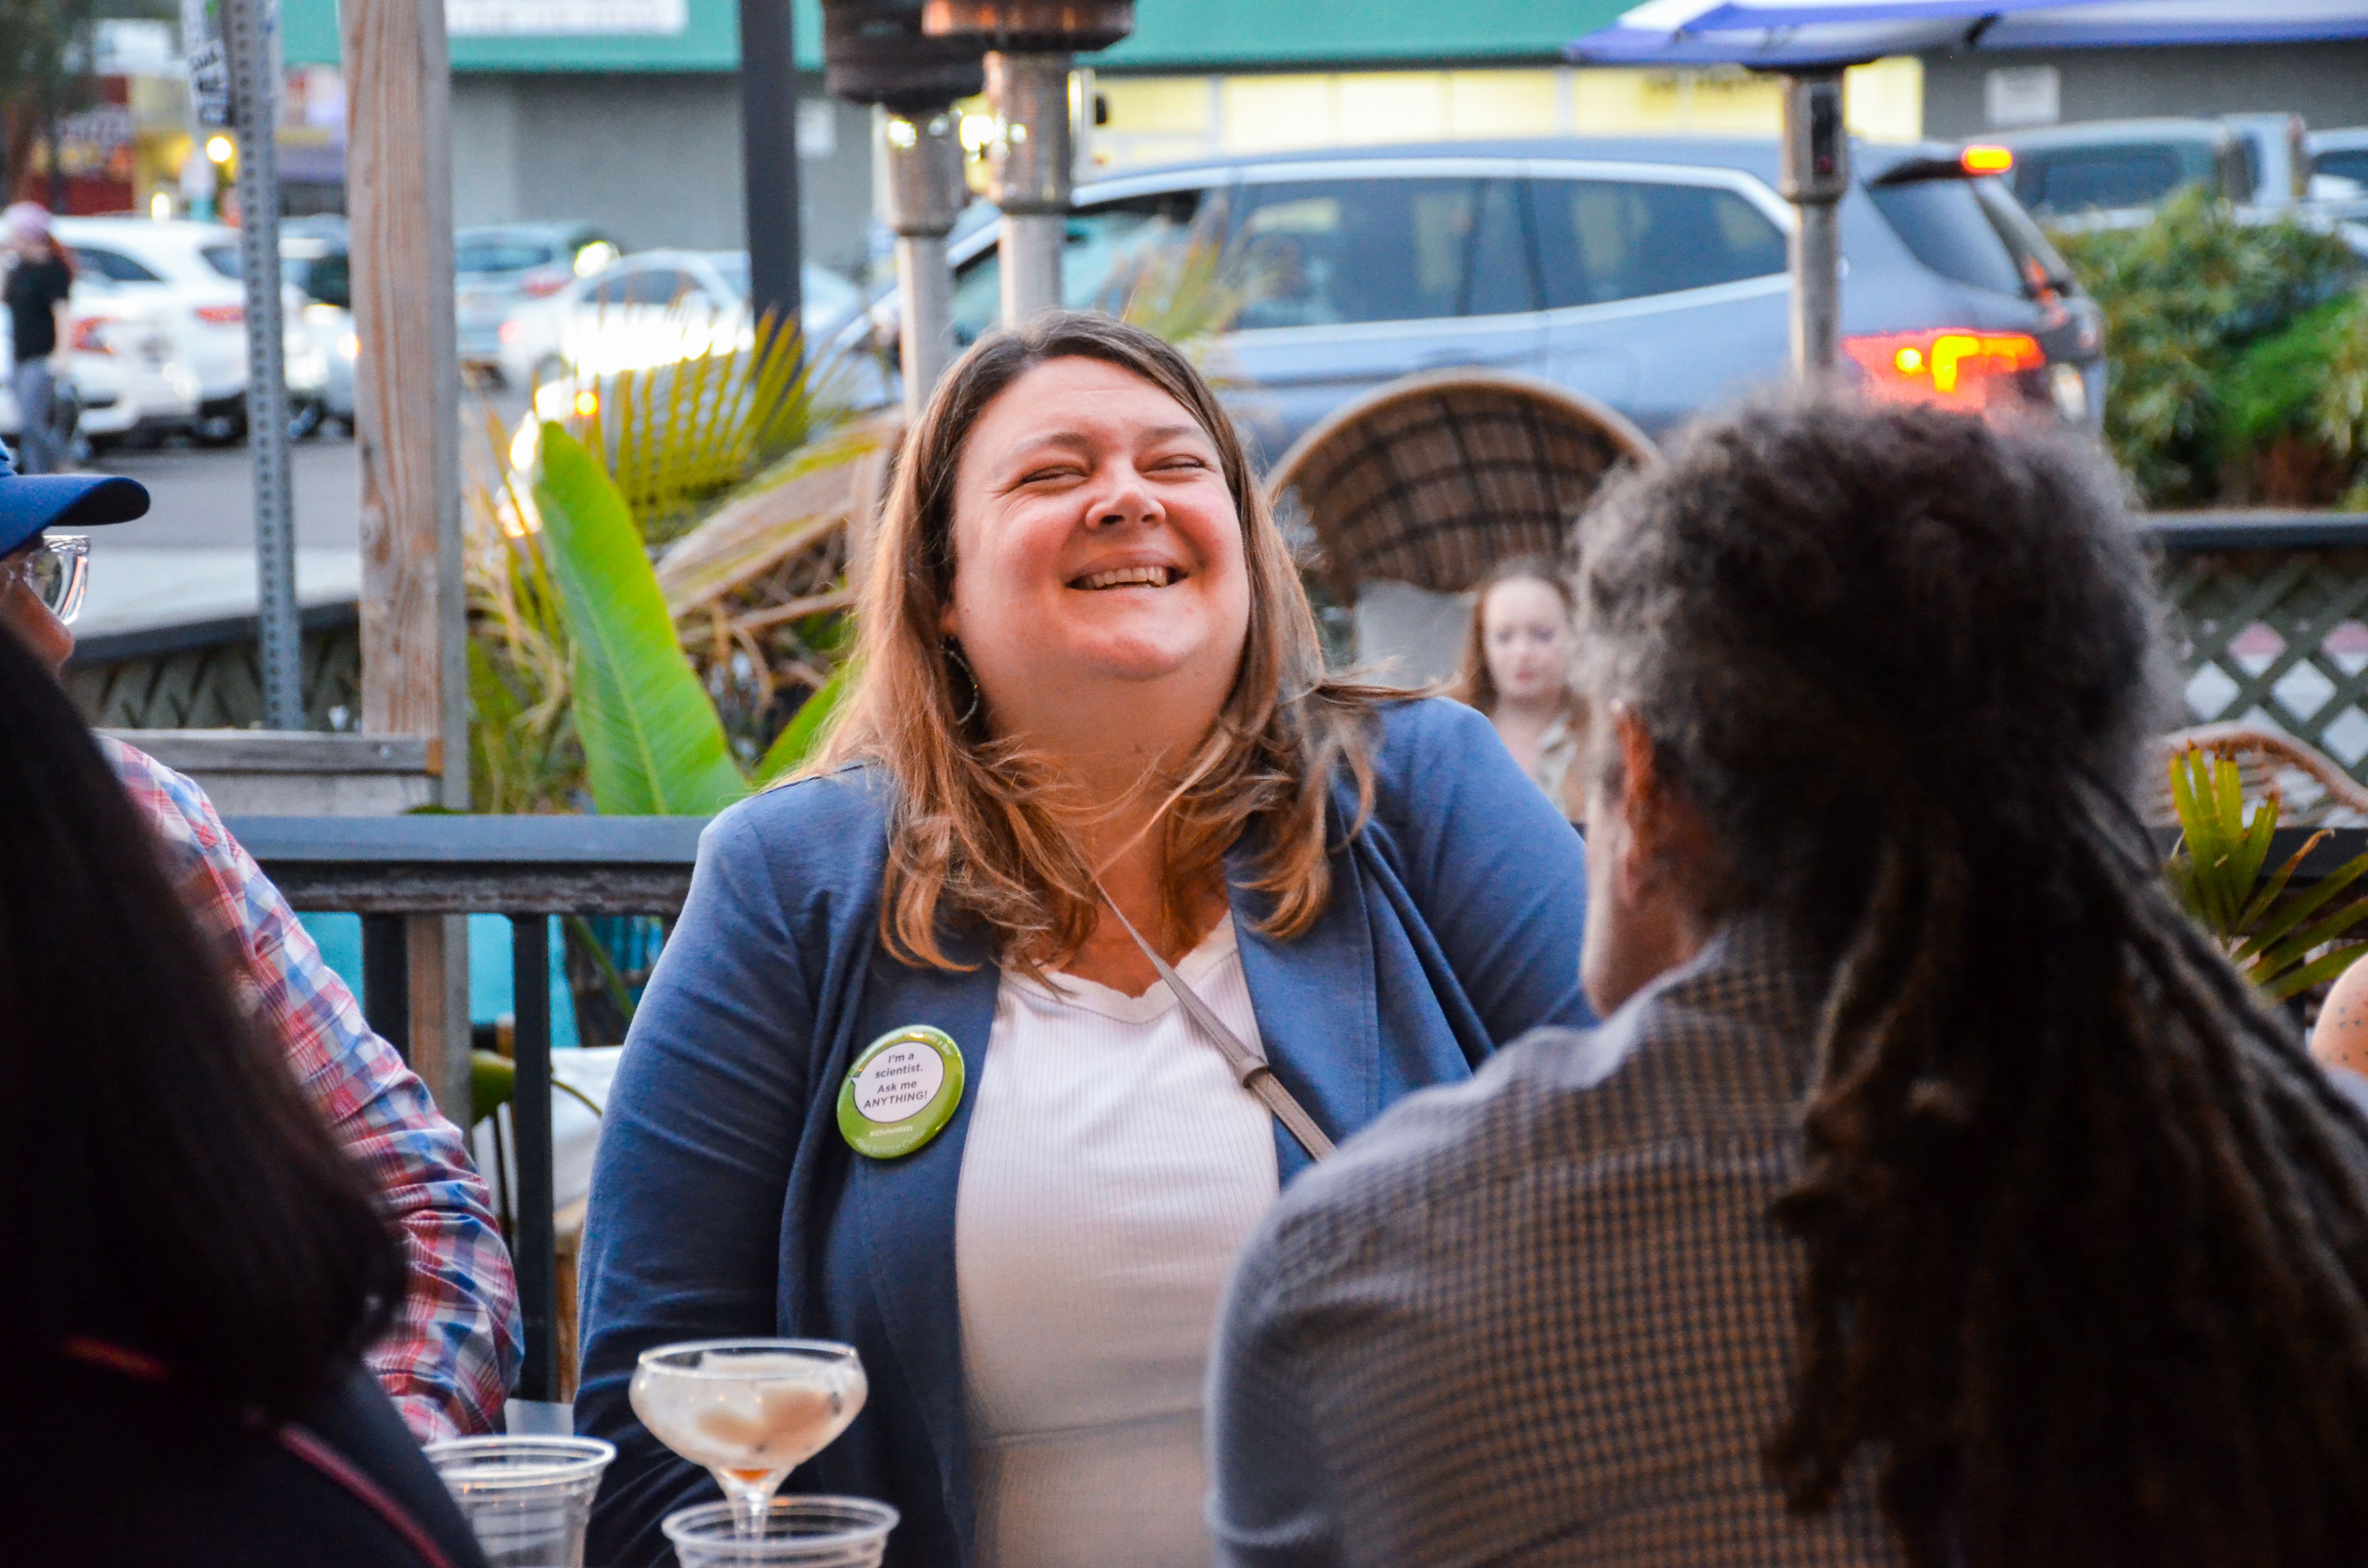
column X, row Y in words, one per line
column 750, row 1410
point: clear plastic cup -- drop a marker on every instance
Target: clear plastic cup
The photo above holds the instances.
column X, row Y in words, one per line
column 812, row 1532
column 527, row 1499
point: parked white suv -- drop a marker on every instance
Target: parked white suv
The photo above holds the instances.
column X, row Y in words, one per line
column 184, row 276
column 121, row 372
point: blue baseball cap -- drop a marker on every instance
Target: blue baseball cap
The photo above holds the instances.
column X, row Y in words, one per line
column 32, row 502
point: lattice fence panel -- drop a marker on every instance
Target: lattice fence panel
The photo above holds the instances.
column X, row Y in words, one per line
column 2277, row 637
column 219, row 686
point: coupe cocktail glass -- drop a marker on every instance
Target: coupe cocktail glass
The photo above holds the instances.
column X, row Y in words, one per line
column 750, row 1410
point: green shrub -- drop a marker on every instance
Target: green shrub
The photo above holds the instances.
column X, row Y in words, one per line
column 2184, row 297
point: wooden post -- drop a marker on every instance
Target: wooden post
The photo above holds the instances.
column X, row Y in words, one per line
column 407, row 428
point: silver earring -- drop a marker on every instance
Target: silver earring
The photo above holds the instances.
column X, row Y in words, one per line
column 954, row 653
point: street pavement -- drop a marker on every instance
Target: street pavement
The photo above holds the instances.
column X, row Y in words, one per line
column 203, row 498
column 192, row 557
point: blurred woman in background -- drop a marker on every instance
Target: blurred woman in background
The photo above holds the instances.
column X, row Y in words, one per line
column 40, row 277
column 194, row 1266
column 1517, row 670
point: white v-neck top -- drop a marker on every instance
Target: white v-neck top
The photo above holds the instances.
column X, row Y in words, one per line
column 1112, row 1169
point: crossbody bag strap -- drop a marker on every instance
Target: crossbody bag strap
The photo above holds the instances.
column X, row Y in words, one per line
column 1249, row 1069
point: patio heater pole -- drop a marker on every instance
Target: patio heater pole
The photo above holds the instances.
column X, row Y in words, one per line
column 769, row 160
column 1031, row 168
column 1031, row 44
column 926, row 194
column 875, row 52
column 254, row 121
column 1815, row 174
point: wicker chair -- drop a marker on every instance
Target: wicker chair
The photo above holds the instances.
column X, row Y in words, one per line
column 1431, row 480
column 2312, row 789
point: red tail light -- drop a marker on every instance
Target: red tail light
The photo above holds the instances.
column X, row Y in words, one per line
column 542, row 285
column 221, row 315
column 1951, row 365
column 90, row 336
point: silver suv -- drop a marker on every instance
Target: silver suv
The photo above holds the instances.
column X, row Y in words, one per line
column 1649, row 274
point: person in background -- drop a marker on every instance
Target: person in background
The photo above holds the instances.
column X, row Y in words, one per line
column 194, row 1266
column 40, row 276
column 2340, row 1038
column 1094, row 705
column 452, row 1346
column 1517, row 670
column 1934, row 1192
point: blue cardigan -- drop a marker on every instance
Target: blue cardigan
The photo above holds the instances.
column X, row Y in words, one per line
column 725, row 1203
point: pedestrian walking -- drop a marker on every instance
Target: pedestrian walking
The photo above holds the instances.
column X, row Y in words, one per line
column 982, row 1046
column 1516, row 669
column 40, row 277
column 1934, row 1191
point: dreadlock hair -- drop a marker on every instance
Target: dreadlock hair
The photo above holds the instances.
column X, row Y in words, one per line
column 2087, row 1232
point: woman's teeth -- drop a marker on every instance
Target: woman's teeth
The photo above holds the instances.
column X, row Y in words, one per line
column 1130, row 577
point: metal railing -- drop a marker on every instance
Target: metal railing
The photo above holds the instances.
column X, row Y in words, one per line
column 385, row 868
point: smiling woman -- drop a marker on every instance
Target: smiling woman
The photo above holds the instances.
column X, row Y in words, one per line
column 1093, row 705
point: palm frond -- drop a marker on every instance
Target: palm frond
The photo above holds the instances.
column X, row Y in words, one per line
column 2284, row 941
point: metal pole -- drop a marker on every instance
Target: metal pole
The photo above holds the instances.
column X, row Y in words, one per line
column 768, row 150
column 386, row 980
column 537, row 1256
column 1031, row 168
column 1813, row 177
column 925, row 195
column 254, row 119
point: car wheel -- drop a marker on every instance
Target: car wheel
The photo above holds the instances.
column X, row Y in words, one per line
column 221, row 430
column 305, row 420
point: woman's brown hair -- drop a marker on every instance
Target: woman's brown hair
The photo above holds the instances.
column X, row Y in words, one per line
column 980, row 829
column 1473, row 687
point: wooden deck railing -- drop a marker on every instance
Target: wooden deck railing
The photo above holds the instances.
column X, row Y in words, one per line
column 528, row 869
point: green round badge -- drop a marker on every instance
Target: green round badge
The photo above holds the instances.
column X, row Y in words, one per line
column 901, row 1092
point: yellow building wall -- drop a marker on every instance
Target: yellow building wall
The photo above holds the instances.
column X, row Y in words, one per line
column 1165, row 118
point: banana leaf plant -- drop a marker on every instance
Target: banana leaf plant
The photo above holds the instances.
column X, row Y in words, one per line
column 2282, row 938
column 653, row 744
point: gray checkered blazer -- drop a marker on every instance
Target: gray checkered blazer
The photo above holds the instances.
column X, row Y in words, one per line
column 1541, row 1317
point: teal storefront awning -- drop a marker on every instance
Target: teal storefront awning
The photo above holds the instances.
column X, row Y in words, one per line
column 1170, row 35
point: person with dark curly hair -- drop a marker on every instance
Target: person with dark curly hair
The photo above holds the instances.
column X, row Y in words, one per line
column 1937, row 1193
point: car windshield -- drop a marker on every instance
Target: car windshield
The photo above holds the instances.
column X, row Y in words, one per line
column 826, row 293
column 2060, row 181
column 328, row 280
column 1972, row 231
column 113, row 266
column 2344, row 162
column 490, row 255
column 222, row 258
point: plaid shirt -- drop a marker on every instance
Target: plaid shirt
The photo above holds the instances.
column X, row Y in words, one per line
column 453, row 1351
column 1542, row 1317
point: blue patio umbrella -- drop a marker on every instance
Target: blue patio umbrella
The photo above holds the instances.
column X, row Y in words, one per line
column 2127, row 23
column 1808, row 42
column 1791, row 35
